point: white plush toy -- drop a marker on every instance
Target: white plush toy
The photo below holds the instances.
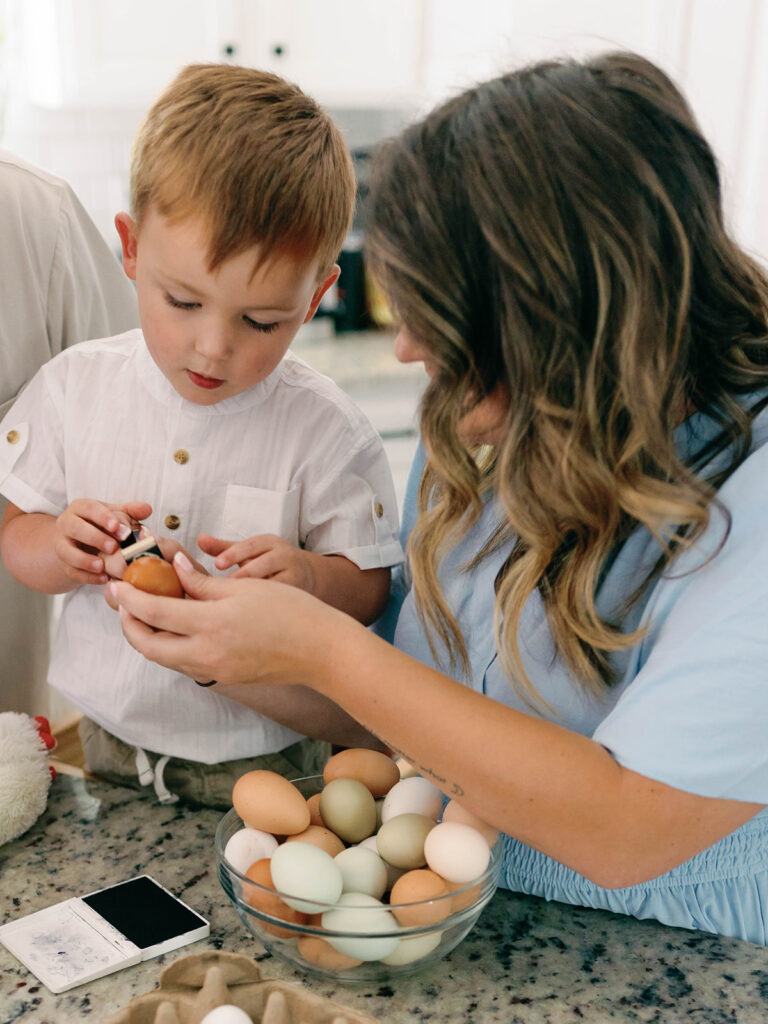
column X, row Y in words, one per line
column 25, row 775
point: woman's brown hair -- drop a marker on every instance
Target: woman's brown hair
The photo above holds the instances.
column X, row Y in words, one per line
column 558, row 232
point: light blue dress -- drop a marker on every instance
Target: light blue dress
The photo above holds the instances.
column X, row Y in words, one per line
column 691, row 705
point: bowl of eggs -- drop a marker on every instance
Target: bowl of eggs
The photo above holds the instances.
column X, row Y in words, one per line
column 358, row 874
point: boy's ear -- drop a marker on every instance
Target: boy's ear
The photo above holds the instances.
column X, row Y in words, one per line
column 320, row 291
column 126, row 229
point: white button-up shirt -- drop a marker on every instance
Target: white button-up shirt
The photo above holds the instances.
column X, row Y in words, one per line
column 292, row 456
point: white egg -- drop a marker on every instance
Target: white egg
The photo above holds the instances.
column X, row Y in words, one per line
column 413, row 796
column 367, row 919
column 307, row 874
column 393, row 873
column 226, row 1014
column 362, row 870
column 247, row 846
column 413, row 948
column 456, row 852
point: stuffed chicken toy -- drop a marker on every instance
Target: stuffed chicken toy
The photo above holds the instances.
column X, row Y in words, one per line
column 25, row 774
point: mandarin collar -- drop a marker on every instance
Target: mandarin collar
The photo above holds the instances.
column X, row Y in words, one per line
column 160, row 387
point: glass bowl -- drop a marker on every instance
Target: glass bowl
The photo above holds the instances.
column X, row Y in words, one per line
column 383, row 949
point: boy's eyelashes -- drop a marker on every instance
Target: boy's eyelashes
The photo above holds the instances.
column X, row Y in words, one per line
column 264, row 328
column 178, row 304
column 255, row 325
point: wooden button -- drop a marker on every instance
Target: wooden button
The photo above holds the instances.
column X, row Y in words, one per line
column 378, row 508
column 181, row 456
column 12, row 436
column 172, row 522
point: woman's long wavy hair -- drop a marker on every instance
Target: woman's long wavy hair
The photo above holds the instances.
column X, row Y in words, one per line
column 557, row 234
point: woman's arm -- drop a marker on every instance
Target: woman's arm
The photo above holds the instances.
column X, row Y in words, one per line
column 303, row 710
column 555, row 790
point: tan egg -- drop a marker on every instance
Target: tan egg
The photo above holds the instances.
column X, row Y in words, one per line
column 269, row 902
column 414, row 887
column 348, row 809
column 321, row 953
column 455, row 812
column 154, row 575
column 400, row 841
column 377, row 771
column 267, row 801
column 317, row 835
column 313, row 804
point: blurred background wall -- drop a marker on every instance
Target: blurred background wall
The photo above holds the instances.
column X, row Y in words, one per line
column 76, row 75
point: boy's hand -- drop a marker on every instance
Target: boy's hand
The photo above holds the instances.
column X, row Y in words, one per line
column 265, row 557
column 88, row 531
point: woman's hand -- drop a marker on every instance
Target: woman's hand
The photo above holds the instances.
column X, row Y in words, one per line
column 237, row 630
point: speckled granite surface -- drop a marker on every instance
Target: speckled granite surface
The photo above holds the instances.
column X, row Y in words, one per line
column 526, row 961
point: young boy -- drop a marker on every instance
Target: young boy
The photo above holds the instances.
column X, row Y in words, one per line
column 203, row 426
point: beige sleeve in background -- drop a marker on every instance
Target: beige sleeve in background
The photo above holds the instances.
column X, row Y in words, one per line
column 59, row 284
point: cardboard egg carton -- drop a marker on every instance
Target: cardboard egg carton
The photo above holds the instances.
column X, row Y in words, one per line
column 194, row 985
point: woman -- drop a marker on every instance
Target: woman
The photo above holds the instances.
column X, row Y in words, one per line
column 582, row 659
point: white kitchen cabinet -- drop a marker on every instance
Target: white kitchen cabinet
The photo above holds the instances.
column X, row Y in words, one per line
column 111, row 53
column 114, row 53
column 346, row 53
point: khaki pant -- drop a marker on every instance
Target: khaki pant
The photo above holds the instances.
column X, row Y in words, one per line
column 208, row 785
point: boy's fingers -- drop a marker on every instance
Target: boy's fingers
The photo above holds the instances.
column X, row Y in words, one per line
column 212, row 545
column 136, row 509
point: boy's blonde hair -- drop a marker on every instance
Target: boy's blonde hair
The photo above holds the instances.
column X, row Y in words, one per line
column 253, row 157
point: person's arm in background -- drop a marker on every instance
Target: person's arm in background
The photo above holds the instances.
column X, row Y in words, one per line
column 59, row 284
column 89, row 294
column 59, row 281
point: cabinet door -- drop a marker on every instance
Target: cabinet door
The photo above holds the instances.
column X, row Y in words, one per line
column 111, row 53
column 345, row 53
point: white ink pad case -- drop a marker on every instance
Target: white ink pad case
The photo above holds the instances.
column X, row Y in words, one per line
column 87, row 937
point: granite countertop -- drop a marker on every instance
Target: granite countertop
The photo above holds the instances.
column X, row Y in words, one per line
column 526, row 960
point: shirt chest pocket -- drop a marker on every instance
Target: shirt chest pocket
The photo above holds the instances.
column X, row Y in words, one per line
column 250, row 511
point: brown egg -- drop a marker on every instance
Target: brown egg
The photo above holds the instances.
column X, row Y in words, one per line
column 317, row 835
column 413, row 887
column 321, row 953
column 154, row 575
column 455, row 812
column 269, row 902
column 267, row 801
column 375, row 770
column 313, row 803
